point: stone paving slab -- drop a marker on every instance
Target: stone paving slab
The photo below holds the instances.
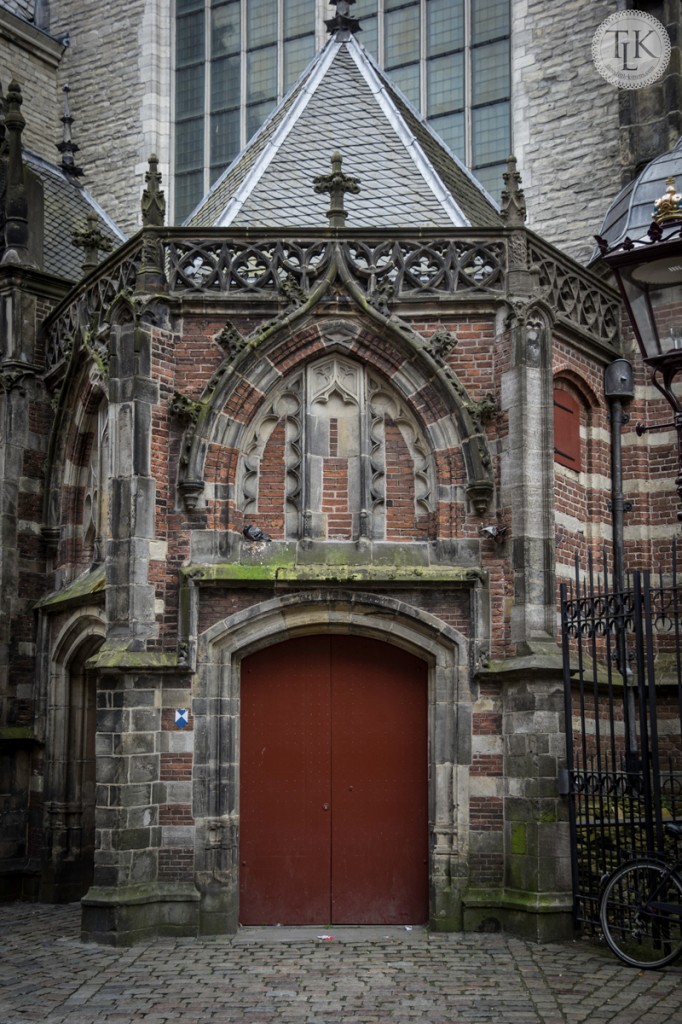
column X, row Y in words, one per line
column 295, row 976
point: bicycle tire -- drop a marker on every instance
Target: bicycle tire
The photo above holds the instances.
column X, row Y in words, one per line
column 639, row 936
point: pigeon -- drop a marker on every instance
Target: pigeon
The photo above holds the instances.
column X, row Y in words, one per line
column 255, row 533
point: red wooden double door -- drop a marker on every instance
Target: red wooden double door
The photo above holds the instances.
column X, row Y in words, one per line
column 333, row 791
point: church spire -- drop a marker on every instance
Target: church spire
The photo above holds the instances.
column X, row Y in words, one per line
column 342, row 22
column 67, row 147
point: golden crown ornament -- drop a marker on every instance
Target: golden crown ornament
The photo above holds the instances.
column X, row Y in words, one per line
column 669, row 206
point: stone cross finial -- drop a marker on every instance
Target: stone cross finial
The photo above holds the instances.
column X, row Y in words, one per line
column 342, row 22
column 92, row 241
column 153, row 199
column 336, row 184
column 67, row 147
column 513, row 205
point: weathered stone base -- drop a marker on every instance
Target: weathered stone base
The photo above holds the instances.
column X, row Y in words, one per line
column 19, row 880
column 121, row 917
column 538, row 918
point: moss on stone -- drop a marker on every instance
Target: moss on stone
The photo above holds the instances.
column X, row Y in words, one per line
column 518, row 837
column 328, row 574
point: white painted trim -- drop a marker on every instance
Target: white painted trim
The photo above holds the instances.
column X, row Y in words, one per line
column 269, row 153
column 373, row 77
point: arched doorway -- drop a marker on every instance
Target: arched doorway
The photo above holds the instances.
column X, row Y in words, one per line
column 333, row 783
column 71, row 781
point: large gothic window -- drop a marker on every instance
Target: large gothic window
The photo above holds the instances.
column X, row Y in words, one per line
column 336, row 455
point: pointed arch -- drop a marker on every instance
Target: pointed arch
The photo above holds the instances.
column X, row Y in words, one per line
column 428, row 389
column 70, row 757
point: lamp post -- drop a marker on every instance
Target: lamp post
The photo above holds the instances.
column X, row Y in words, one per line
column 649, row 275
column 619, row 390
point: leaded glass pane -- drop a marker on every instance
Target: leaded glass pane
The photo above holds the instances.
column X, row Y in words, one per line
column 445, row 26
column 189, row 145
column 189, row 91
column 297, row 55
column 225, row 83
column 299, row 17
column 363, row 9
column 401, row 36
column 369, row 36
column 189, row 45
column 407, row 79
column 491, row 178
column 255, row 115
column 445, row 84
column 391, row 5
column 189, row 189
column 489, row 20
column 224, row 140
column 261, row 75
column 261, row 22
column 490, row 134
column 225, row 30
column 182, row 6
column 490, row 72
column 451, row 130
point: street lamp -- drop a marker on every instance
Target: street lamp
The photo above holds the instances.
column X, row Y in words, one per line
column 649, row 274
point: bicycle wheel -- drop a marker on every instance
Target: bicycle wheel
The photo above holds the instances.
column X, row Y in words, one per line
column 637, row 930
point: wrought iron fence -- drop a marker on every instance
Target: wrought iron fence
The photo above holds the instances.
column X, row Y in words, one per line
column 623, row 690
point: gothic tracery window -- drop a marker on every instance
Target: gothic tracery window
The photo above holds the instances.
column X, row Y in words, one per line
column 337, row 455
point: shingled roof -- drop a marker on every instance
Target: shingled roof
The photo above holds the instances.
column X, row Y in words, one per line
column 66, row 209
column 344, row 102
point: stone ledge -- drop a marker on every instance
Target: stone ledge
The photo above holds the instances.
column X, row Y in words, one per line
column 240, row 574
column 538, row 917
column 135, row 913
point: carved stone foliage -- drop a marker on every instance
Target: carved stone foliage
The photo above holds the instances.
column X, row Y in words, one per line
column 85, row 309
column 227, row 266
column 424, row 268
column 576, row 297
column 414, row 268
column 323, row 475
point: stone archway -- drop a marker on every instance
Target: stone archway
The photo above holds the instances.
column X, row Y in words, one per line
column 70, row 765
column 222, row 649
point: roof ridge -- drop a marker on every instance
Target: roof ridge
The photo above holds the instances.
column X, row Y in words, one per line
column 314, row 70
column 367, row 69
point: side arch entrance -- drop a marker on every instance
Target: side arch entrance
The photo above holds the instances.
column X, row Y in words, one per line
column 334, row 783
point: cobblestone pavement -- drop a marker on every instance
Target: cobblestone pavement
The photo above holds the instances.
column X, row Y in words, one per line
column 294, row 976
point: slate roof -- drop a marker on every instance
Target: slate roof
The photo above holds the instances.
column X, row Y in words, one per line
column 630, row 212
column 66, row 206
column 22, row 8
column 344, row 101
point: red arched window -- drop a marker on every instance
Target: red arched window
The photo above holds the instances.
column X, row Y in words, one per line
column 566, row 429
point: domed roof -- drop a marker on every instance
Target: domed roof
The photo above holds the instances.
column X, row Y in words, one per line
column 630, row 213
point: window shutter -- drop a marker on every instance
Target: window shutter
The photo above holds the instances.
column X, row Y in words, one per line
column 566, row 430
